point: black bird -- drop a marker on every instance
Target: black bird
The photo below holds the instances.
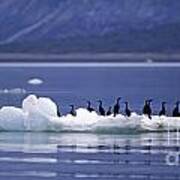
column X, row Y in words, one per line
column 127, row 110
column 163, row 109
column 109, row 111
column 116, row 107
column 101, row 109
column 89, row 108
column 147, row 108
column 176, row 110
column 73, row 111
column 58, row 113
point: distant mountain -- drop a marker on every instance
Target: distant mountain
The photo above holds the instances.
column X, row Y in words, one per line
column 89, row 25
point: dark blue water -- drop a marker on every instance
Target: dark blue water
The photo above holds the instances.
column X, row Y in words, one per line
column 67, row 85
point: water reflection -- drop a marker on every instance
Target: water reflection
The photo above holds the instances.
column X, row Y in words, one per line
column 48, row 142
column 75, row 155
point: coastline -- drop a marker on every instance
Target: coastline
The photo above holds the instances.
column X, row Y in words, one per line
column 91, row 57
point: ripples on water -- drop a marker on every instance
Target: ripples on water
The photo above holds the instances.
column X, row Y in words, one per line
column 89, row 156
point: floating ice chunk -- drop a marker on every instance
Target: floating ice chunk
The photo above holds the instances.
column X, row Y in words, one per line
column 35, row 81
column 47, row 106
column 17, row 91
column 30, row 104
column 40, row 114
column 12, row 119
column 13, row 91
column 42, row 105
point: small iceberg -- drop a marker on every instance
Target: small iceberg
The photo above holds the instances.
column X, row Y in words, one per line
column 40, row 114
column 35, row 81
column 13, row 91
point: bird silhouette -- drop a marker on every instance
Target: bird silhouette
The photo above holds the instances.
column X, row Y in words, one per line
column 101, row 109
column 147, row 108
column 116, row 108
column 58, row 113
column 73, row 111
column 176, row 110
column 127, row 110
column 109, row 111
column 89, row 108
column 162, row 112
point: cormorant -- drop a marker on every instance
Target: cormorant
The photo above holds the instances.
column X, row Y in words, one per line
column 109, row 111
column 163, row 109
column 89, row 108
column 176, row 110
column 116, row 107
column 127, row 110
column 58, row 113
column 147, row 108
column 150, row 110
column 101, row 109
column 73, row 111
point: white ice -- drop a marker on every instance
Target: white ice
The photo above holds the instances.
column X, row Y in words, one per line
column 40, row 114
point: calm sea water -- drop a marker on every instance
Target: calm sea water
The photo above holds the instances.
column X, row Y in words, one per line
column 91, row 156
